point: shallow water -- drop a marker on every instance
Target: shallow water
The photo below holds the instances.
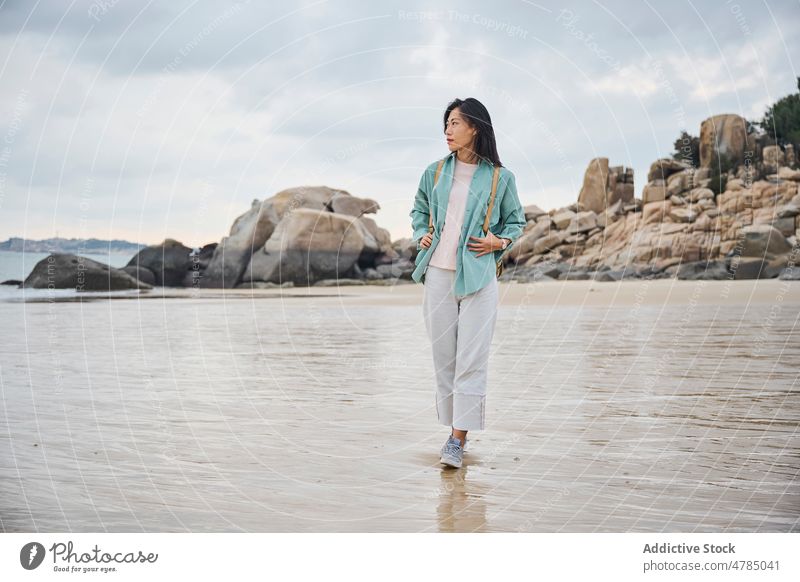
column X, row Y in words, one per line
column 216, row 413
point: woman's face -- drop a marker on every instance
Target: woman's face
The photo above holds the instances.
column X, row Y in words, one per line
column 458, row 133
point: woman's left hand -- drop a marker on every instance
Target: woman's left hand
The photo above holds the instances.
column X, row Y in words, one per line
column 485, row 245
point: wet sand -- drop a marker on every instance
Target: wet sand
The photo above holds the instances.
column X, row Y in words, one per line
column 634, row 406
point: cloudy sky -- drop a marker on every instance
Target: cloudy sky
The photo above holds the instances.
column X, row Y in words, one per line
column 143, row 120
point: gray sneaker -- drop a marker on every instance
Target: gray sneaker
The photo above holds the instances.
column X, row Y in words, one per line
column 463, row 446
column 452, row 453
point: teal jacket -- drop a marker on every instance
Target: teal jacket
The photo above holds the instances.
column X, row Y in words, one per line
column 507, row 221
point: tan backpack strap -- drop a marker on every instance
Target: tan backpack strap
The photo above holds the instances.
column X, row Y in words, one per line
column 438, row 169
column 491, row 200
column 435, row 179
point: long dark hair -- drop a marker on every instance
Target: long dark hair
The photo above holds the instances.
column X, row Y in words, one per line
column 477, row 117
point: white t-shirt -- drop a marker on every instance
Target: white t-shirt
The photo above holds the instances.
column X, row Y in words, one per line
column 444, row 256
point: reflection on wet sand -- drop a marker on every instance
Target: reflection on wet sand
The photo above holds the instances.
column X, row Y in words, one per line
column 461, row 505
column 200, row 413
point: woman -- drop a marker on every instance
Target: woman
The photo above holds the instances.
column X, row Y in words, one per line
column 457, row 264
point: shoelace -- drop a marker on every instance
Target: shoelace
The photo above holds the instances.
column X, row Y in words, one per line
column 451, row 448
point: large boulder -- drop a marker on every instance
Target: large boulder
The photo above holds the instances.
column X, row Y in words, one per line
column 563, row 218
column 168, row 262
column 68, row 271
column 251, row 230
column 664, row 168
column 308, row 246
column 743, row 267
column 593, row 194
column 759, row 240
column 547, row 242
column 343, row 203
column 248, row 234
column 722, row 135
column 680, row 182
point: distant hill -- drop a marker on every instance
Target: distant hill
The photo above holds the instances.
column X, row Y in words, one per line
column 70, row 245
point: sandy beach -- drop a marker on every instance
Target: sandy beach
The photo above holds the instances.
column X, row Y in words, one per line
column 658, row 405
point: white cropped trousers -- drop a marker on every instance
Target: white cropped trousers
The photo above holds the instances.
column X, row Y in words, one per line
column 460, row 329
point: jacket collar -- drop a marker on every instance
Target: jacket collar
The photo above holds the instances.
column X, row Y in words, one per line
column 451, row 157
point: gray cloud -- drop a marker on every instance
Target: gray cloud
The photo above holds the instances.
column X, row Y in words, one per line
column 176, row 115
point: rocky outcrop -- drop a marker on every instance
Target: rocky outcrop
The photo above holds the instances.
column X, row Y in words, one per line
column 244, row 257
column 68, row 271
column 679, row 228
column 306, row 235
column 668, row 177
column 760, row 222
column 603, row 186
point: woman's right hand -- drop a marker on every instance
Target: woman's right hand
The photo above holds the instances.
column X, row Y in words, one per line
column 425, row 241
